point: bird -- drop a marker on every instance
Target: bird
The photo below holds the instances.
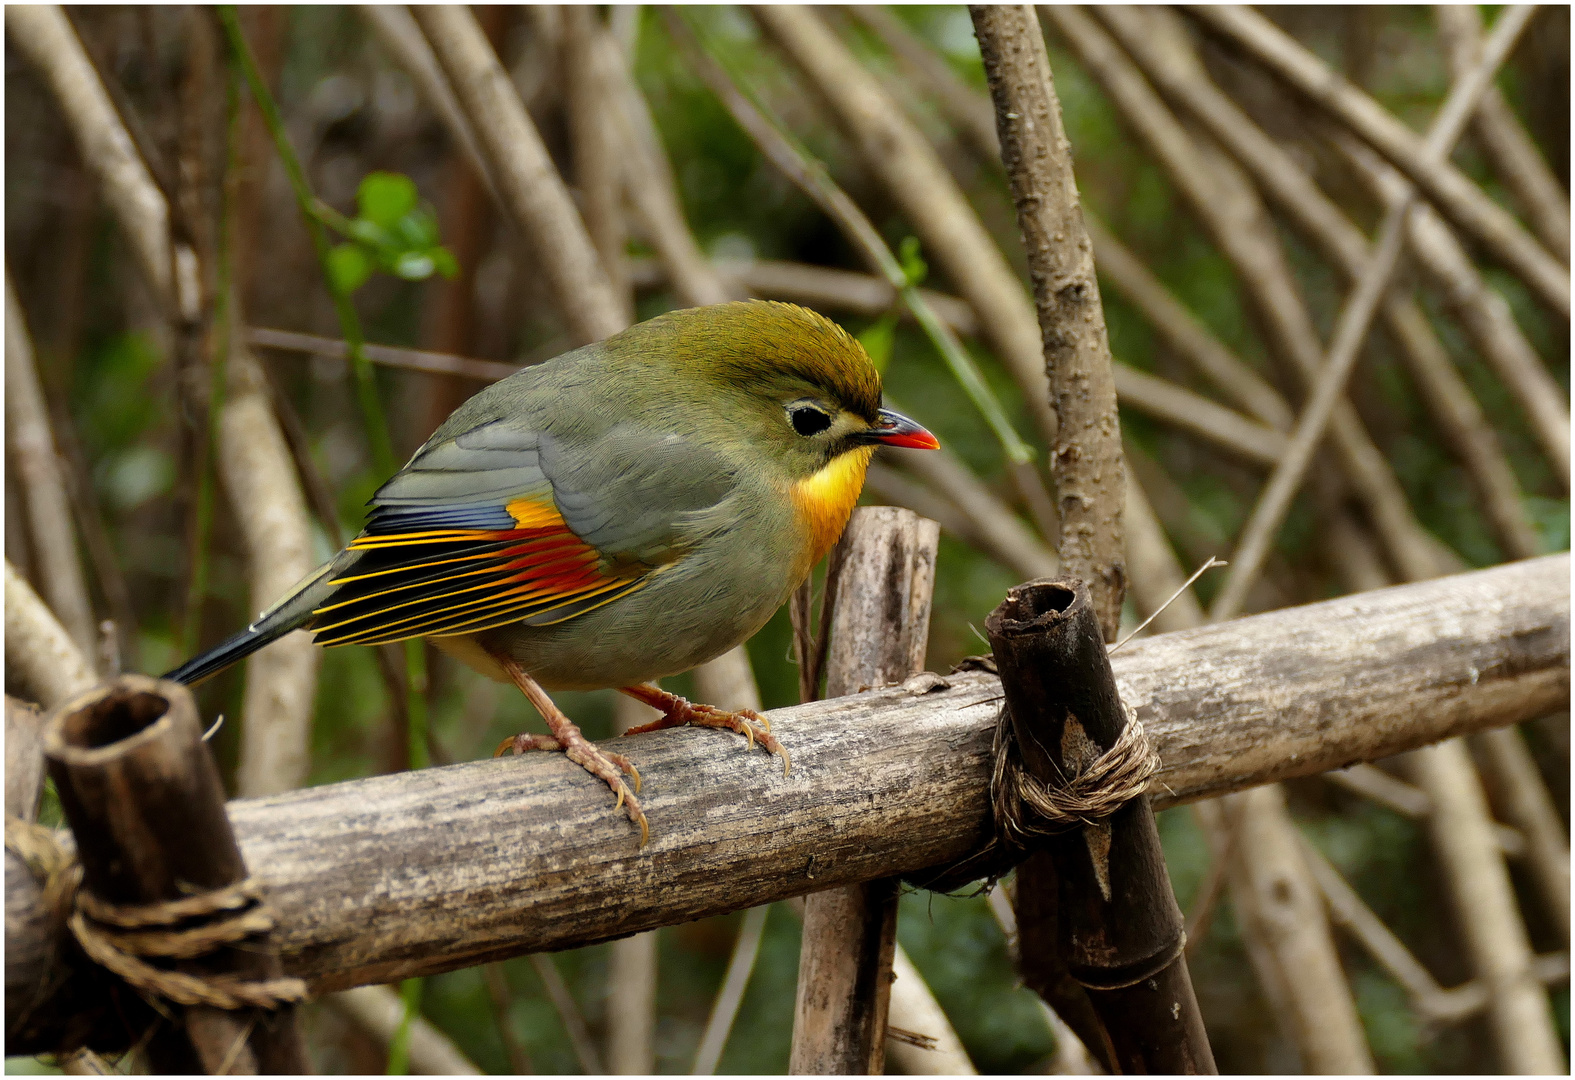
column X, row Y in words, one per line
column 618, row 514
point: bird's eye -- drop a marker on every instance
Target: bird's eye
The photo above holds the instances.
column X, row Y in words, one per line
column 808, row 420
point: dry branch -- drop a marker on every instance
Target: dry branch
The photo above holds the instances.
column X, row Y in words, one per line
column 1446, row 187
column 1487, row 917
column 1512, row 154
column 1515, row 787
column 41, row 660
column 265, row 496
column 898, row 153
column 415, row 873
column 46, row 38
column 1192, row 412
column 1159, row 47
column 593, row 76
column 38, row 467
column 396, row 30
column 532, row 191
column 379, row 1011
column 1090, row 477
column 1225, row 203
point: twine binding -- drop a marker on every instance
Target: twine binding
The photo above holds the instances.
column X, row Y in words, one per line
column 118, row 937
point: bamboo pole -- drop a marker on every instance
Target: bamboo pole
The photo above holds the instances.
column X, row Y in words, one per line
column 414, row 873
column 1466, row 206
column 879, row 629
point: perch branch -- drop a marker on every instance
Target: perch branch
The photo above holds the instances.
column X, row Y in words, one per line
column 414, row 873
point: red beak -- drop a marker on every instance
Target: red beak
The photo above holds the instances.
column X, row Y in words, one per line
column 895, row 429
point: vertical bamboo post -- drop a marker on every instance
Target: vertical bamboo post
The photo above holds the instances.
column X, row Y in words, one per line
column 145, row 803
column 1118, row 927
column 879, row 629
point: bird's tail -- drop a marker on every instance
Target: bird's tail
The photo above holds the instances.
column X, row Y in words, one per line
column 293, row 611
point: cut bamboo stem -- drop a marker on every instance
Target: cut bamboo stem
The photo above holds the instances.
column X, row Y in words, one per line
column 879, row 630
column 146, row 808
column 1115, row 919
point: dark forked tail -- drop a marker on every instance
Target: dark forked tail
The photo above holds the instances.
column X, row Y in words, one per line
column 293, row 611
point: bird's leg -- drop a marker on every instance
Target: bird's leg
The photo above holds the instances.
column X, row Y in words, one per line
column 566, row 736
column 677, row 711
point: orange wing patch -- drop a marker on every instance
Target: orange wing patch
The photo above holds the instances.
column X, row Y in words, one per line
column 445, row 581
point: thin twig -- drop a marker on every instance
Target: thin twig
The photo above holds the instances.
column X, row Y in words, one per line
column 39, row 654
column 1356, row 318
column 1466, row 206
column 533, row 193
column 724, row 1008
column 573, row 1022
column 45, row 37
column 898, row 153
column 496, row 977
column 1516, row 788
column 1228, row 207
column 1509, row 150
column 378, row 1011
column 1140, row 627
column 38, row 467
column 1159, row 46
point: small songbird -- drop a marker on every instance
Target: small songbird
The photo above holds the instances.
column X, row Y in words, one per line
column 620, row 513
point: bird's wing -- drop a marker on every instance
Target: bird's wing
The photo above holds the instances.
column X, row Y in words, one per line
column 504, row 524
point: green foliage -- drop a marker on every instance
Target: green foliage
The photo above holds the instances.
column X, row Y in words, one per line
column 393, row 232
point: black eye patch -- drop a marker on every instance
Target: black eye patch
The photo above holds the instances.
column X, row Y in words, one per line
column 808, row 420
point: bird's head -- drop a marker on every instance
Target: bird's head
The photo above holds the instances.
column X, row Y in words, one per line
column 797, row 387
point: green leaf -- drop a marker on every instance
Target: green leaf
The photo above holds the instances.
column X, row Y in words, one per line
column 877, row 339
column 445, row 262
column 349, row 267
column 386, row 197
column 418, row 229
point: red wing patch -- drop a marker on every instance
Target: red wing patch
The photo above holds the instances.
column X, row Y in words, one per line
column 441, row 581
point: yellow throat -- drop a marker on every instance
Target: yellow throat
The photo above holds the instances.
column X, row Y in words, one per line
column 825, row 500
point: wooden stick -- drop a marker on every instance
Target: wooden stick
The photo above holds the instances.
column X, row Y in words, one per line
column 1115, row 920
column 265, row 495
column 532, row 190
column 1466, row 206
column 414, row 873
column 378, row 1010
column 1509, row 150
column 46, row 38
column 1086, row 458
column 1226, row 204
column 879, row 629
column 146, row 807
column 1160, row 48
column 900, row 156
column 39, row 654
column 38, row 468
column 593, row 77
column 1488, row 918
column 1356, row 318
column 1515, row 787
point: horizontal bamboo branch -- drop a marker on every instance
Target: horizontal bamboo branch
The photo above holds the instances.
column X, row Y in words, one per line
column 416, row 873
